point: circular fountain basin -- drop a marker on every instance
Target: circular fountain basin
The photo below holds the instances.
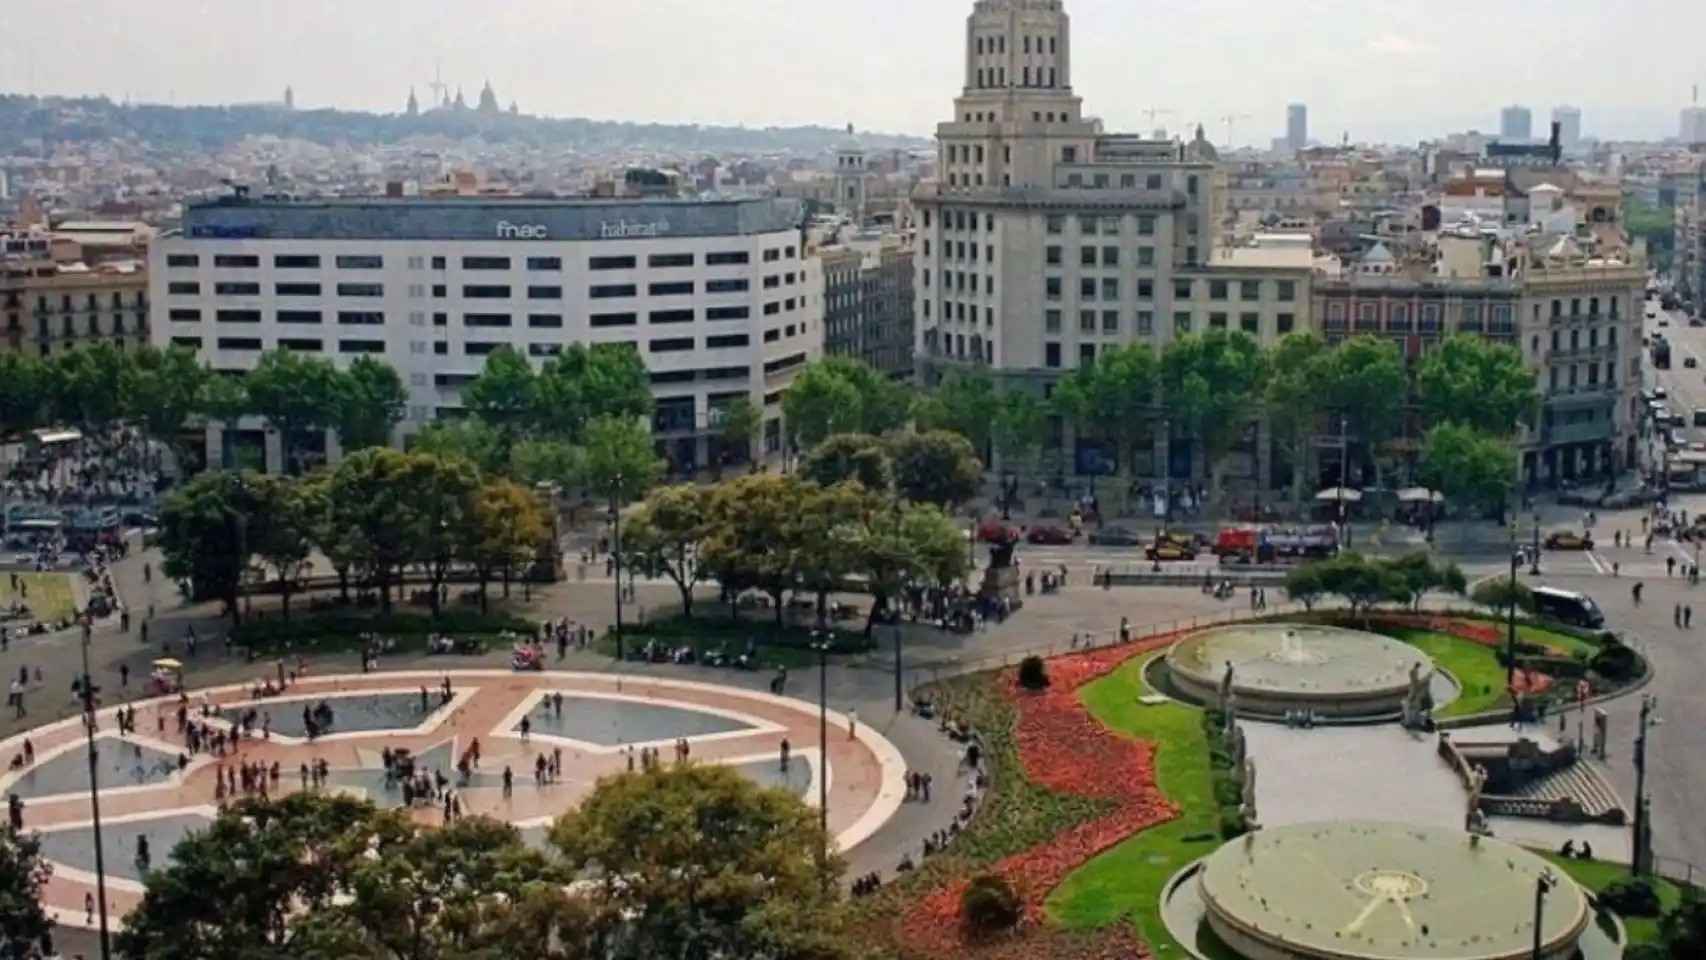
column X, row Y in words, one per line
column 1331, row 671
column 1385, row 891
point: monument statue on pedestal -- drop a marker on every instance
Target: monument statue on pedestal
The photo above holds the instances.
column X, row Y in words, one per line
column 1240, row 747
column 1473, row 820
column 1248, row 811
column 1225, row 701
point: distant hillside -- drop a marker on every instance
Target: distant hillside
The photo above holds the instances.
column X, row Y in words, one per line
column 97, row 118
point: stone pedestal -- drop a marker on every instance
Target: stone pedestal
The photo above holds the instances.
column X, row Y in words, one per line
column 1003, row 582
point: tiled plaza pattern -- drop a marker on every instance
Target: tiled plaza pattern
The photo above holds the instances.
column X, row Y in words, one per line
column 602, row 721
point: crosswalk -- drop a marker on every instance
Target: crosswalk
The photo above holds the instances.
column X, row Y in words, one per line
column 1634, row 563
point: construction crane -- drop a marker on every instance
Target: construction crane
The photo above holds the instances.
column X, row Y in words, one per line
column 1230, row 120
column 1154, row 112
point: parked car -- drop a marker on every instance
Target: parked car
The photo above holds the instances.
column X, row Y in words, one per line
column 1168, row 550
column 1053, row 536
column 992, row 530
column 1568, row 540
column 1116, row 537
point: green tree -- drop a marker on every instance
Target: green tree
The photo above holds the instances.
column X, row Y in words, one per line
column 1500, row 592
column 963, row 403
column 826, row 525
column 1294, row 399
column 1421, row 574
column 87, row 385
column 897, row 545
column 667, row 534
column 507, row 524
column 850, row 456
column 162, row 389
column 752, row 534
column 839, row 395
column 270, row 863
column 23, row 386
column 1016, row 433
column 440, row 495
column 205, row 535
column 469, row 891
column 1363, row 583
column 23, row 923
column 1305, row 584
column 505, row 396
column 1113, row 399
column 372, row 402
column 1364, row 381
column 296, row 395
column 937, row 467
column 1467, row 465
column 282, row 527
column 739, row 424
column 475, row 441
column 377, row 527
column 584, row 383
column 1211, row 382
column 1476, row 382
column 1657, row 226
column 697, row 862
column 619, row 459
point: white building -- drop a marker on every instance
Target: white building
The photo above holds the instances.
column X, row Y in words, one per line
column 1516, row 124
column 1693, row 125
column 1569, row 121
column 714, row 295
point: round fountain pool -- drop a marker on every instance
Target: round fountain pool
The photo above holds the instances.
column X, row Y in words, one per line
column 1333, row 672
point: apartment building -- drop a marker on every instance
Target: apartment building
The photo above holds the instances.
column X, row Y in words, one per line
column 49, row 305
column 868, row 301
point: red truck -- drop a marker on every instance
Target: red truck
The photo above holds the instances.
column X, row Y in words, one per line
column 1268, row 543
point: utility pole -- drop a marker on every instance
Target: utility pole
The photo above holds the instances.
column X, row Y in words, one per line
column 822, row 646
column 1542, row 886
column 616, row 558
column 95, row 792
column 1638, row 863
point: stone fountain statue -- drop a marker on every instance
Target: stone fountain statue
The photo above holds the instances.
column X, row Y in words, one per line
column 1249, row 808
column 1226, row 695
column 1239, row 747
column 1474, row 821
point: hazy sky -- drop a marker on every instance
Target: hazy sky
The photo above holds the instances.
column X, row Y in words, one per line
column 1380, row 69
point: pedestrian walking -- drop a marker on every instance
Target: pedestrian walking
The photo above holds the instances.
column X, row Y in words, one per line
column 852, row 722
column 1688, row 617
column 124, row 675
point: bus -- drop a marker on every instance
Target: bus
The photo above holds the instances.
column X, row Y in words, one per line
column 1567, row 606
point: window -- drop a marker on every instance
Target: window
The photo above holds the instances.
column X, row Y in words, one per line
column 727, row 286
column 682, row 289
column 229, row 261
column 361, row 318
column 1287, row 290
column 544, row 293
column 1217, row 289
column 1146, row 225
column 238, row 343
column 1110, row 256
column 613, row 291
column 480, row 348
column 361, row 290
column 1285, row 323
column 1217, row 321
column 1146, row 323
column 1110, row 321
column 544, row 349
column 611, row 263
column 485, row 263
column 238, row 316
column 485, row 320
column 1087, row 226
column 1086, row 288
column 236, row 289
column 1181, row 289
column 1110, row 288
column 182, row 315
column 670, row 316
column 598, row 320
column 194, row 343
column 1182, row 321
column 1250, row 290
column 663, row 260
column 1145, row 289
column 1051, row 256
column 361, row 263
column 441, row 347
column 727, row 259
column 771, row 336
column 1055, row 225
column 440, row 291
column 1051, row 356
column 1086, row 256
column 298, row 316
column 545, row 321
column 545, row 263
column 1051, row 321
column 727, row 313
column 726, row 342
column 182, row 261
column 488, row 292
column 297, row 289
column 1250, row 323
column 439, row 263
column 1086, row 354
column 300, row 345
column 1086, row 321
column 305, row 261
column 441, row 319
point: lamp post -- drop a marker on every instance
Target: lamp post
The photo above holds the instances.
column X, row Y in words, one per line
column 1009, row 487
column 616, row 558
column 822, row 646
column 1344, row 477
column 1534, row 570
column 1510, row 638
column 1637, row 863
column 94, row 792
column 1542, row 886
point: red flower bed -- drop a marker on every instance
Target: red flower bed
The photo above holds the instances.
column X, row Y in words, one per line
column 1065, row 749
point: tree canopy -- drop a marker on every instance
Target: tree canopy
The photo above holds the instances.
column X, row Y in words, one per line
column 839, row 395
column 1480, row 384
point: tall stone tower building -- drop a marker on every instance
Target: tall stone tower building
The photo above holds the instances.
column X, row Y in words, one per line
column 1045, row 239
column 851, row 178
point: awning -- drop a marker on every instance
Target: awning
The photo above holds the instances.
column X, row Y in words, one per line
column 1420, row 495
column 56, row 436
column 1335, row 494
column 167, row 663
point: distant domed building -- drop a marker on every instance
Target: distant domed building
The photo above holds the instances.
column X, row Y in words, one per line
column 414, row 107
column 488, row 99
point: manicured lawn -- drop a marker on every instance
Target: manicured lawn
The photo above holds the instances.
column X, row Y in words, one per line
column 1596, row 875
column 711, row 629
column 1125, row 882
column 1475, row 667
column 1562, row 644
column 49, row 595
